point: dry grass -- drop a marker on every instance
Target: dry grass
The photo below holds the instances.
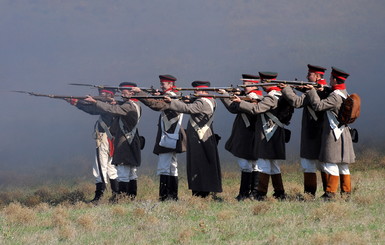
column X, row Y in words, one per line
column 53, row 215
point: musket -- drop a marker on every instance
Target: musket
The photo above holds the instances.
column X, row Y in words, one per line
column 288, row 82
column 216, row 96
column 148, row 90
column 228, row 89
column 53, row 96
column 154, row 96
column 257, row 85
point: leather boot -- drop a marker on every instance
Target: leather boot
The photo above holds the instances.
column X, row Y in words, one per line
column 245, row 186
column 331, row 187
column 324, row 177
column 254, row 184
column 100, row 187
column 173, row 188
column 279, row 191
column 123, row 188
column 115, row 190
column 345, row 185
column 263, row 185
column 132, row 189
column 310, row 183
column 163, row 187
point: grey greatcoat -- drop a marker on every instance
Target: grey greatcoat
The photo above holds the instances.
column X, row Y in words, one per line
column 273, row 149
column 203, row 166
column 125, row 153
column 311, row 129
column 243, row 139
column 332, row 150
column 160, row 105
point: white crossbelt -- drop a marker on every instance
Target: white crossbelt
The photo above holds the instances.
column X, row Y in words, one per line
column 130, row 135
column 201, row 131
column 333, row 122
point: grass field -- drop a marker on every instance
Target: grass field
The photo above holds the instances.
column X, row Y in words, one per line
column 58, row 215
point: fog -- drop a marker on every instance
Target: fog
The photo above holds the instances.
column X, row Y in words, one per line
column 47, row 44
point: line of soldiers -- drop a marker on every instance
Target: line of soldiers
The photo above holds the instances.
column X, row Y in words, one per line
column 257, row 139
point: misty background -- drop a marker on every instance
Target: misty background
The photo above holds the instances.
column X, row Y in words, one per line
column 46, row 44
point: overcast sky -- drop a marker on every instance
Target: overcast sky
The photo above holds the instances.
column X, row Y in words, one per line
column 46, row 44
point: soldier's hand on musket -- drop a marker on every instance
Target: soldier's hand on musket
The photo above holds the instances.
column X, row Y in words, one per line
column 282, row 85
column 136, row 89
column 167, row 99
column 235, row 99
column 71, row 101
column 221, row 91
column 90, row 99
column 308, row 86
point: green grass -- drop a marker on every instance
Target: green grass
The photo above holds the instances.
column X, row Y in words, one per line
column 59, row 215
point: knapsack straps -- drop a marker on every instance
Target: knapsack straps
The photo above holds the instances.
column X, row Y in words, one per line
column 333, row 122
column 201, row 131
column 104, row 127
column 130, row 135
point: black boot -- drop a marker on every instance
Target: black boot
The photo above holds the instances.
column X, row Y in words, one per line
column 245, row 187
column 123, row 188
column 100, row 187
column 163, row 187
column 279, row 191
column 173, row 188
column 115, row 190
column 132, row 189
column 202, row 194
column 254, row 185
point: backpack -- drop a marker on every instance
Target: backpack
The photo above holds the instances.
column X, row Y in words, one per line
column 284, row 111
column 350, row 109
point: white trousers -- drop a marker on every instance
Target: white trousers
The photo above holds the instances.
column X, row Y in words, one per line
column 106, row 168
column 335, row 168
column 268, row 166
column 310, row 165
column 126, row 173
column 167, row 164
column 247, row 166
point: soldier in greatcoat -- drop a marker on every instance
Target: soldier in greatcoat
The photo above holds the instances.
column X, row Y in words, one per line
column 336, row 151
column 311, row 129
column 270, row 143
column 203, row 165
column 102, row 169
column 243, row 139
column 127, row 143
column 170, row 138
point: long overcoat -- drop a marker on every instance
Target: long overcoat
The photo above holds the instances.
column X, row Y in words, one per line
column 243, row 139
column 311, row 124
column 332, row 150
column 203, row 165
column 125, row 153
column 274, row 148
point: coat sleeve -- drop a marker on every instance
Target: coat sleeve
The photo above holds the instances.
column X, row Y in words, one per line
column 266, row 104
column 154, row 104
column 118, row 110
column 293, row 99
column 332, row 102
column 89, row 108
column 198, row 106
